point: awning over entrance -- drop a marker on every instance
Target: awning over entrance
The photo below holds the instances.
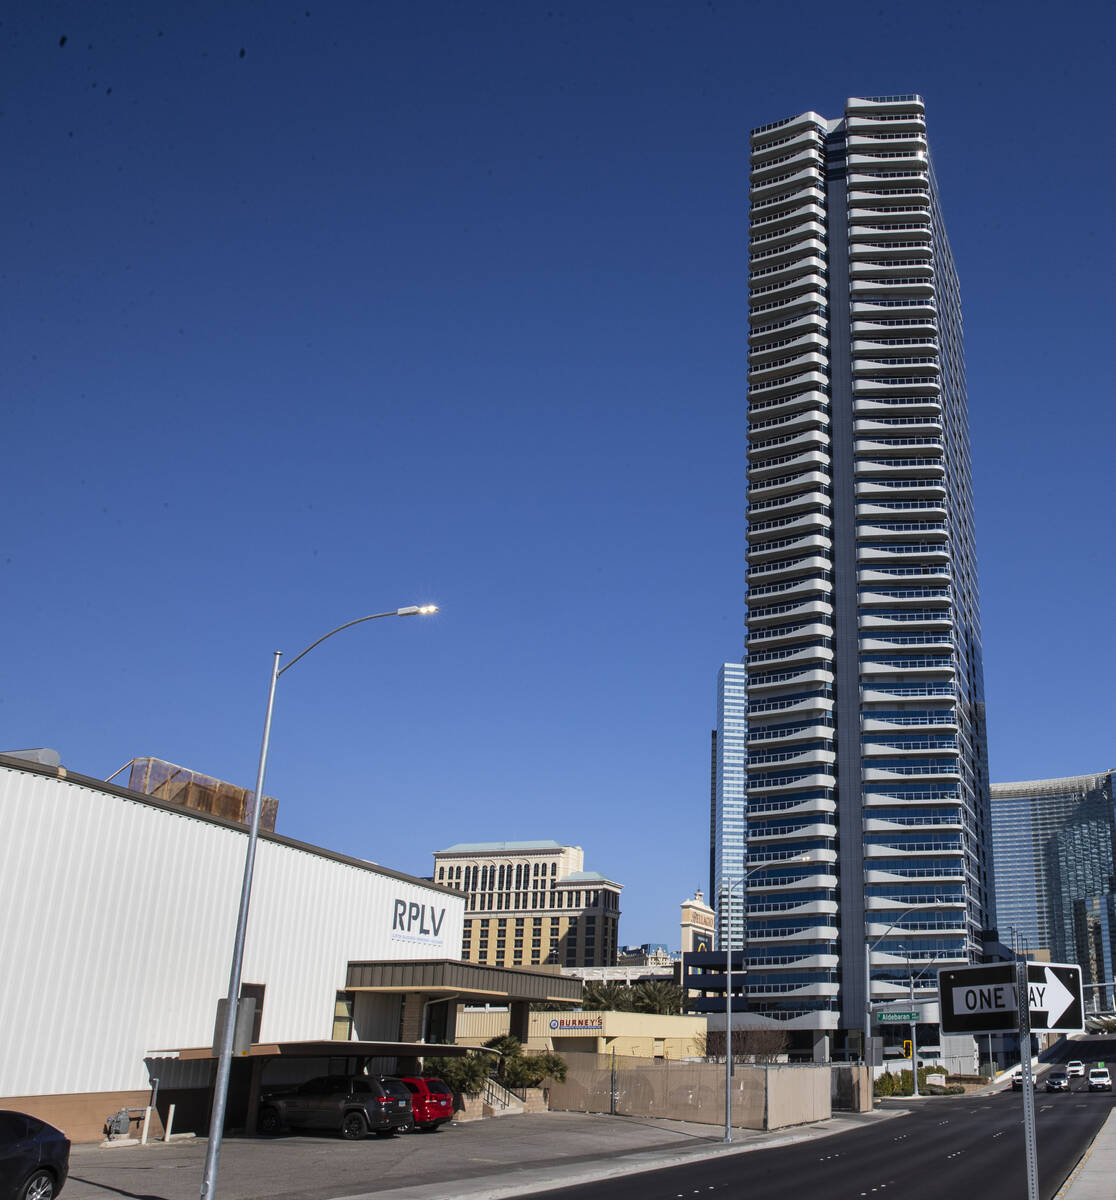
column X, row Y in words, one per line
column 473, row 982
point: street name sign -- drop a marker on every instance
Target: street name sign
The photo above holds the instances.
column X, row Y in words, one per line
column 896, row 1018
column 983, row 999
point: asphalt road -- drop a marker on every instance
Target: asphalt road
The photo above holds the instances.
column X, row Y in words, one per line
column 944, row 1148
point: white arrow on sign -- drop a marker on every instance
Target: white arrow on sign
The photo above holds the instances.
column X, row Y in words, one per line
column 1051, row 997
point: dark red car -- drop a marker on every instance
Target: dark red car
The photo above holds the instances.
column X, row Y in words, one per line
column 431, row 1100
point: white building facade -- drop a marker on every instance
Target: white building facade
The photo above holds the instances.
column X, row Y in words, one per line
column 119, row 916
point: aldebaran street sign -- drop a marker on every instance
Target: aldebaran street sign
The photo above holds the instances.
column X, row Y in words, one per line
column 895, row 1018
column 983, row 999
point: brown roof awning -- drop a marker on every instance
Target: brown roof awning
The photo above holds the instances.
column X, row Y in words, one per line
column 473, row 982
column 326, row 1048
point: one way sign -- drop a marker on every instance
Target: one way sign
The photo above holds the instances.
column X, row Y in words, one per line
column 983, row 999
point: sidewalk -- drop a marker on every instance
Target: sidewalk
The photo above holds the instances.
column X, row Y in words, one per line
column 1092, row 1178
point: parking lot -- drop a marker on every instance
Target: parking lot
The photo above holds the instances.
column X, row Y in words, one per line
column 524, row 1151
column 320, row 1167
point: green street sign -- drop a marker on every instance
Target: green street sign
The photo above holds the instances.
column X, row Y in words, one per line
column 896, row 1018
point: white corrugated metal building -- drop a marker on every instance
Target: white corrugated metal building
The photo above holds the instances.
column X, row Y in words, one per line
column 118, row 920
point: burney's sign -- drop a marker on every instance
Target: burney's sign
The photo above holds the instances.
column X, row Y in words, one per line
column 414, row 922
column 578, row 1023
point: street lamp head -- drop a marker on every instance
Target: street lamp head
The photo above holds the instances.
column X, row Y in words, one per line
column 416, row 610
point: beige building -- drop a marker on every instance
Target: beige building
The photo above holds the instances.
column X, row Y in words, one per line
column 698, row 924
column 531, row 903
column 638, row 1035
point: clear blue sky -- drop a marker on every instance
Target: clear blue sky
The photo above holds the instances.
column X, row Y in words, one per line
column 445, row 302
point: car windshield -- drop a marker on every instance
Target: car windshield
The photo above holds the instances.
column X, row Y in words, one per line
column 437, row 1087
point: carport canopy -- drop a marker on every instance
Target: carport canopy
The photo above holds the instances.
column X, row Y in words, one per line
column 475, row 983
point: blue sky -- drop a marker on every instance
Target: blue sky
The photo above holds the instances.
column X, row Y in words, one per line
column 441, row 302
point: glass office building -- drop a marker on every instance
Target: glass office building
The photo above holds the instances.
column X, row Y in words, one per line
column 865, row 738
column 1052, row 842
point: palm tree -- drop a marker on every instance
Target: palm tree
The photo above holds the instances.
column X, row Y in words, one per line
column 659, row 996
column 607, row 994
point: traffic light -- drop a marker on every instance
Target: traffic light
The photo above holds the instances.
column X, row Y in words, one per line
column 908, row 1049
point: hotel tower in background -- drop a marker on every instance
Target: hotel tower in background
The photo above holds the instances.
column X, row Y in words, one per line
column 866, row 746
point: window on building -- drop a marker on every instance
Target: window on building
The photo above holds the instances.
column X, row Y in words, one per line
column 343, row 1017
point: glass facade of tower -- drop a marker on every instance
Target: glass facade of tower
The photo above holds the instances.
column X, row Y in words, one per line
column 729, row 804
column 866, row 740
column 1052, row 842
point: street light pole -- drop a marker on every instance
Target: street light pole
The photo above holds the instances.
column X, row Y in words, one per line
column 228, row 1030
column 868, row 948
column 797, row 860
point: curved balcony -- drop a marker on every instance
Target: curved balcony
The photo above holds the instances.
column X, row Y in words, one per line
column 791, row 657
column 876, row 825
column 799, row 989
column 912, row 385
column 791, row 909
column 806, row 138
column 790, row 611
column 793, row 363
column 791, row 501
column 910, row 665
column 794, row 708
column 915, row 873
column 900, row 472
column 786, row 255
column 788, row 806
column 912, row 426
column 875, row 774
column 869, row 621
column 790, row 961
column 771, row 572
column 806, row 338
column 761, row 737
column 944, row 721
column 801, row 218
column 797, row 833
column 779, row 166
column 874, row 903
column 766, row 309
column 779, row 331
column 773, row 784
column 806, row 462
column 811, row 279
column 780, row 181
column 760, row 529
column 807, row 933
column 804, row 543
column 765, row 135
column 881, row 554
column 764, row 276
column 789, row 589
column 777, row 636
column 820, row 1019
column 808, row 401
column 906, row 488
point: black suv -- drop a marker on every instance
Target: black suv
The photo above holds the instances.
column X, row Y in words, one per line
column 348, row 1104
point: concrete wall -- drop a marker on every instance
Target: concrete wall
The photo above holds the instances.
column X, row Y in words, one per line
column 762, row 1097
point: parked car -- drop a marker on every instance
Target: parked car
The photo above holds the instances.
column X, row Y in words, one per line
column 1075, row 1067
column 348, row 1104
column 431, row 1100
column 34, row 1158
column 1057, row 1081
column 1100, row 1080
column 1017, row 1081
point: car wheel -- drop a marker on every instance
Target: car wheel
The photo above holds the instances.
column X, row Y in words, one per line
column 268, row 1122
column 353, row 1126
column 39, row 1187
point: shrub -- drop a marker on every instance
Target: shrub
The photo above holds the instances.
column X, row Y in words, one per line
column 463, row 1076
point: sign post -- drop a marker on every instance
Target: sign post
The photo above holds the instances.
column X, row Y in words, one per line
column 1010, row 997
column 1022, row 991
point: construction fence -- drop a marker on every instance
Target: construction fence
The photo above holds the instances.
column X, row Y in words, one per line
column 763, row 1096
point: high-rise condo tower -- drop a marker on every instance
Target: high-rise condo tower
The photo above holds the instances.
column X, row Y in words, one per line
column 866, row 739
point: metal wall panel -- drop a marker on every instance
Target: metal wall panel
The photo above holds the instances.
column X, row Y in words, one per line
column 117, row 930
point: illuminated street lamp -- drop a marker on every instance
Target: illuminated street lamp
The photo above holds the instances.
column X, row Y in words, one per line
column 224, row 1061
